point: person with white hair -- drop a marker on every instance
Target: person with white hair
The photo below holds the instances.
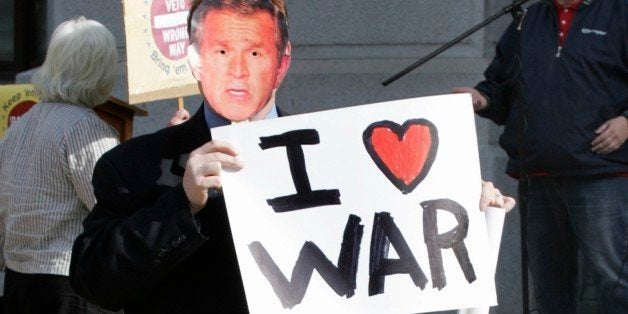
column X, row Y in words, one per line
column 46, row 162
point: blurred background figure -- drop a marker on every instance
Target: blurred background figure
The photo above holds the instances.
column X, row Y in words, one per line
column 566, row 141
column 46, row 164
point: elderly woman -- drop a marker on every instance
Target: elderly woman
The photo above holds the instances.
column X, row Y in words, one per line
column 46, row 163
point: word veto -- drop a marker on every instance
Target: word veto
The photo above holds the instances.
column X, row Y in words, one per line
column 175, row 5
column 341, row 278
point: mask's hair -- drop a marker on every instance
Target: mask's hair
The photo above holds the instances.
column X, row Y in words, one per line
column 276, row 8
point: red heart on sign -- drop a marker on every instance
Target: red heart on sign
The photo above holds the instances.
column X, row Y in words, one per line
column 404, row 153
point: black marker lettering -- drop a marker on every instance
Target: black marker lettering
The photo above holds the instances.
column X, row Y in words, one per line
column 385, row 232
column 305, row 197
column 341, row 279
column 452, row 239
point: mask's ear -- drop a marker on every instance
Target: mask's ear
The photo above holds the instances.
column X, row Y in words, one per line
column 195, row 62
column 284, row 65
column 288, row 50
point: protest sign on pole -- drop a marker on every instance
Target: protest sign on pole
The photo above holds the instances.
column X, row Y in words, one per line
column 368, row 209
column 156, row 45
column 15, row 100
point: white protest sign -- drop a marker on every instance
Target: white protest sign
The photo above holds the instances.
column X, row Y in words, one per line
column 368, row 209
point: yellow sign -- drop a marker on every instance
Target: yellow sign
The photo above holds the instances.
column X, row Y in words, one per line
column 156, row 45
column 15, row 100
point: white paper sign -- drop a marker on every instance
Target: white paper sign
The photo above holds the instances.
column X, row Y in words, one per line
column 368, row 209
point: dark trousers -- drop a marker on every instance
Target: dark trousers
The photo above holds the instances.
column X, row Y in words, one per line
column 41, row 293
column 567, row 215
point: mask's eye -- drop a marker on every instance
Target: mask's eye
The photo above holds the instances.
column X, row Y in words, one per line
column 255, row 54
column 222, row 52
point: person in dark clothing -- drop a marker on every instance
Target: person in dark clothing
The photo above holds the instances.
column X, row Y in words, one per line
column 566, row 142
column 158, row 239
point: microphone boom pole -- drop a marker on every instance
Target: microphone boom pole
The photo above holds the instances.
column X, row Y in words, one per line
column 504, row 11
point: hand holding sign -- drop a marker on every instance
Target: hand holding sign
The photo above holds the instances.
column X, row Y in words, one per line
column 202, row 171
column 179, row 117
column 491, row 196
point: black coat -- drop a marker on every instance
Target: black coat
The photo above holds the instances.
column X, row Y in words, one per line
column 567, row 93
column 142, row 250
